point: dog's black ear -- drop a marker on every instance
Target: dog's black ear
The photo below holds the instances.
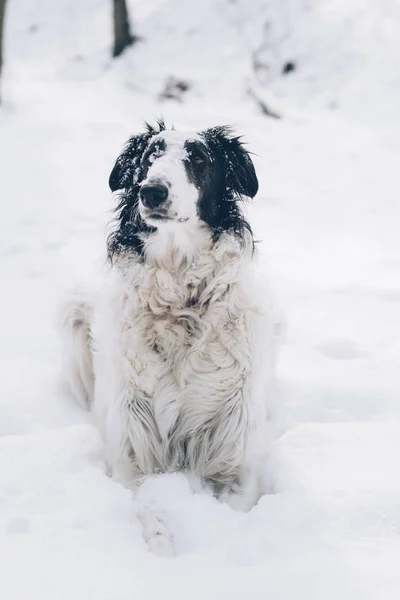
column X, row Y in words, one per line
column 241, row 175
column 244, row 171
column 126, row 170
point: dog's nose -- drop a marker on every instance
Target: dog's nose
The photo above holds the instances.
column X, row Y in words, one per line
column 153, row 195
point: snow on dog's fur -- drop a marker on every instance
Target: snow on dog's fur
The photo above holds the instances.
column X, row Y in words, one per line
column 169, row 354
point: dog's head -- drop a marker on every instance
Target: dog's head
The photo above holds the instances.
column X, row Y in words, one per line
column 168, row 179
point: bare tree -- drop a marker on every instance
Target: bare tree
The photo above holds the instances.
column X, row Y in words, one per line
column 122, row 31
column 2, row 12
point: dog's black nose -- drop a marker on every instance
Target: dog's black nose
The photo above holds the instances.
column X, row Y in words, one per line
column 153, row 195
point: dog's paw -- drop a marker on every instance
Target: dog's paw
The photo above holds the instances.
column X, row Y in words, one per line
column 156, row 534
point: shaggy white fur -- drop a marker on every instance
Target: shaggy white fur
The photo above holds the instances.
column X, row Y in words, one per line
column 174, row 358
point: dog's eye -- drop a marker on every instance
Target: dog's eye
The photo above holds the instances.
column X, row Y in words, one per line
column 198, row 159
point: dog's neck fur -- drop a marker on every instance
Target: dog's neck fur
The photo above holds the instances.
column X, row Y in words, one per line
column 175, row 246
column 188, row 258
column 178, row 284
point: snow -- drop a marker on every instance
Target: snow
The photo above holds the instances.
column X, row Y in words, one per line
column 328, row 216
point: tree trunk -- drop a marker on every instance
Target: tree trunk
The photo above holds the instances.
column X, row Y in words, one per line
column 2, row 12
column 122, row 30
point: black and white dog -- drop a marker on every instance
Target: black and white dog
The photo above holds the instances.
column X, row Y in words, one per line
column 173, row 352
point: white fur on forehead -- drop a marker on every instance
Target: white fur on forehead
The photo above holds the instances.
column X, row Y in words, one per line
column 175, row 140
column 174, row 153
column 168, row 166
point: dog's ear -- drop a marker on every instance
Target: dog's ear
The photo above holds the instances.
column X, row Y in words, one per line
column 241, row 175
column 126, row 170
column 243, row 170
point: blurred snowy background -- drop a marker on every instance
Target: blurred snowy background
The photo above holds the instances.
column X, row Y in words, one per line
column 328, row 215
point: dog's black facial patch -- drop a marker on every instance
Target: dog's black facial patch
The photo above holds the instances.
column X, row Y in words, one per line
column 126, row 176
column 205, row 170
column 223, row 172
column 199, row 164
column 154, row 150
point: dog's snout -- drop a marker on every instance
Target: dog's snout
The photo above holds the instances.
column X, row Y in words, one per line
column 153, row 196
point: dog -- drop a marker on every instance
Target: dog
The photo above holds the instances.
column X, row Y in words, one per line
column 174, row 352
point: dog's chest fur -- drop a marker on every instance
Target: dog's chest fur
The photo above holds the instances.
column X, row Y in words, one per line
column 185, row 333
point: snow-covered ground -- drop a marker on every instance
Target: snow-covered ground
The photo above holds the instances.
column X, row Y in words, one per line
column 328, row 213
